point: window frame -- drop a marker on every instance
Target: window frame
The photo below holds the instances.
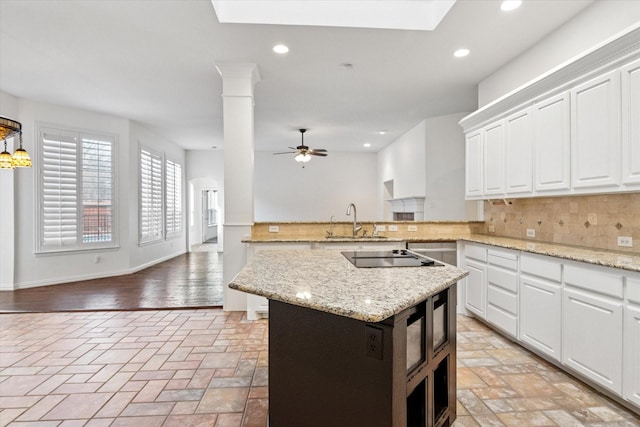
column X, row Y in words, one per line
column 76, row 136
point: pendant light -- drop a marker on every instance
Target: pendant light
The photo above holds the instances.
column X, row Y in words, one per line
column 20, row 158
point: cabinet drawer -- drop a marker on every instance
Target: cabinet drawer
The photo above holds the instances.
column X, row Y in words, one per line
column 633, row 288
column 597, row 279
column 503, row 278
column 498, row 297
column 503, row 320
column 504, row 259
column 541, row 266
column 475, row 252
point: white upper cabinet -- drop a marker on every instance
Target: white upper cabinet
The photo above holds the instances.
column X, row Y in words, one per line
column 473, row 169
column 518, row 153
column 494, row 159
column 552, row 144
column 630, row 75
column 595, row 133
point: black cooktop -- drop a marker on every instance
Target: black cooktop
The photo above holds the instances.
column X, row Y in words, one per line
column 394, row 258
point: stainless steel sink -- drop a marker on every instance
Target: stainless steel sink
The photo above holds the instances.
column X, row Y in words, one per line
column 356, row 238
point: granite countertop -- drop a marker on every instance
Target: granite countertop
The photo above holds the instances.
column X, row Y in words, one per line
column 326, row 240
column 622, row 260
column 325, row 280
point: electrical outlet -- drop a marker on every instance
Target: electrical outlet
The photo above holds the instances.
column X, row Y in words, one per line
column 492, row 229
column 373, row 342
column 393, row 228
column 531, row 232
column 625, row 241
column 381, row 227
column 274, row 229
column 412, row 228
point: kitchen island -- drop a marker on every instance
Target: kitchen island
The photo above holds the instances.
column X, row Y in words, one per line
column 356, row 346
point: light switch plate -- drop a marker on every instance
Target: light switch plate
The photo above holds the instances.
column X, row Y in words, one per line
column 492, row 229
column 412, row 228
column 393, row 228
column 274, row 229
column 531, row 232
column 381, row 227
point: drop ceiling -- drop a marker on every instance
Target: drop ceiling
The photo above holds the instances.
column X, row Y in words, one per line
column 154, row 62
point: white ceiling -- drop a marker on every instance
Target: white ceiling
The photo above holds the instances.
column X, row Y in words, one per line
column 153, row 61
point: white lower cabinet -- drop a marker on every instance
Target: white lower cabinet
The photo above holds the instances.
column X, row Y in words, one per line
column 541, row 315
column 592, row 336
column 257, row 306
column 631, row 361
column 502, row 290
column 476, row 295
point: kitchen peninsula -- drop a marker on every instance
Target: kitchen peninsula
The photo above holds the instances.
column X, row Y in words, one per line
column 370, row 346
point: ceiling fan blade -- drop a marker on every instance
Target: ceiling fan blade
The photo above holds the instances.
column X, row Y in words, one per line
column 313, row 153
column 318, row 150
column 286, row 152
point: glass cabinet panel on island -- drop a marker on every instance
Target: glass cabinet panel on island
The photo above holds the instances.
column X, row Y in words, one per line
column 333, row 371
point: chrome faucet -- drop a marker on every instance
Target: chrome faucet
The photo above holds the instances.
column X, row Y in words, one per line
column 356, row 227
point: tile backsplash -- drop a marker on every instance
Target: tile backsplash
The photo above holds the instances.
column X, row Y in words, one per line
column 588, row 221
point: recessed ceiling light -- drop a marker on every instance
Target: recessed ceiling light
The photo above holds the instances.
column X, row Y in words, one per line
column 366, row 145
column 382, row 132
column 461, row 53
column 281, row 49
column 508, row 5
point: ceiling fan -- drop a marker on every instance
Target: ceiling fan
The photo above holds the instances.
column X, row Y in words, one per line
column 303, row 153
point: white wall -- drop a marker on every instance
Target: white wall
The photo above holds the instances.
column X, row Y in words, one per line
column 45, row 269
column 403, row 161
column 445, row 169
column 597, row 23
column 34, row 270
column 427, row 161
column 285, row 191
column 151, row 253
column 205, row 171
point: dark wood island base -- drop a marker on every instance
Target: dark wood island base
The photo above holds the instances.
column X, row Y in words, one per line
column 327, row 370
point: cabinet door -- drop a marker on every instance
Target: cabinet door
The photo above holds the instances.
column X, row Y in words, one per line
column 631, row 123
column 476, row 292
column 541, row 315
column 595, row 133
column 473, row 163
column 592, row 337
column 518, row 154
column 631, row 364
column 552, row 142
column 493, row 140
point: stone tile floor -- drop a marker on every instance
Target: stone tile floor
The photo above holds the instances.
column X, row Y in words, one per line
column 209, row 368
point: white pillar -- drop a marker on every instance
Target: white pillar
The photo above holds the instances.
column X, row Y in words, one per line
column 238, row 80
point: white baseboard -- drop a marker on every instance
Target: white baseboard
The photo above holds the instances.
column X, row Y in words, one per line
column 80, row 278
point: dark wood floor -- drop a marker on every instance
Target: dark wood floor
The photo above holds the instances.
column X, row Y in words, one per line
column 193, row 280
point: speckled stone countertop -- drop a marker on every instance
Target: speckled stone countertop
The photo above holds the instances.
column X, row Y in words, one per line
column 327, row 240
column 622, row 260
column 325, row 280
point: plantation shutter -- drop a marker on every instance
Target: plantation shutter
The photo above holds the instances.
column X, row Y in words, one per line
column 150, row 196
column 174, row 197
column 59, row 190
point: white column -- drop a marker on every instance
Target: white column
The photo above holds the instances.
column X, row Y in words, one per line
column 7, row 224
column 238, row 80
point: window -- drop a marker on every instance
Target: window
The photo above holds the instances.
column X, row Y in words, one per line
column 160, row 197
column 150, row 196
column 75, row 190
column 173, row 197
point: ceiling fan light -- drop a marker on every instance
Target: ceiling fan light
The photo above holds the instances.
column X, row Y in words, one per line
column 302, row 157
